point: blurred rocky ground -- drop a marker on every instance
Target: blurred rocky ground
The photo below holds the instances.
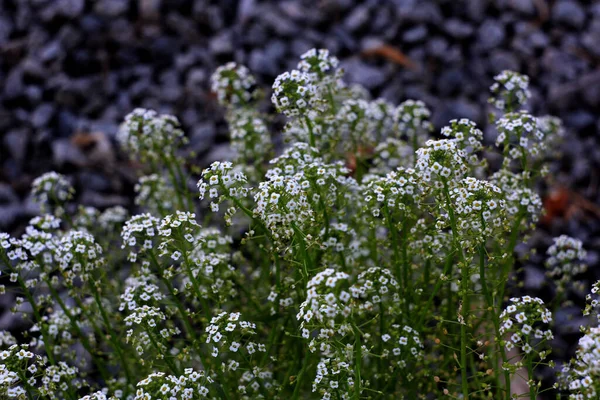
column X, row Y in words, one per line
column 70, row 70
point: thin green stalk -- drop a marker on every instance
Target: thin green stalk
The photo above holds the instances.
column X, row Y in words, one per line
column 74, row 324
column 111, row 333
column 167, row 359
column 357, row 361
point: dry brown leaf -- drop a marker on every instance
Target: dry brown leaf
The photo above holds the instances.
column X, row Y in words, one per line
column 390, row 53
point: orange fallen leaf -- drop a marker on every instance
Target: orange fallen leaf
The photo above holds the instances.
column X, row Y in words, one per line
column 391, row 53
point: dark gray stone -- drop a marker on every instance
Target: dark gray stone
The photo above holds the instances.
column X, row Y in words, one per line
column 526, row 7
column 16, row 142
column 70, row 8
column 111, row 8
column 222, row 43
column 357, row 18
column 363, row 74
column 501, row 60
column 42, row 115
column 415, row 34
column 457, row 28
column 569, row 13
column 437, row 46
column 490, row 34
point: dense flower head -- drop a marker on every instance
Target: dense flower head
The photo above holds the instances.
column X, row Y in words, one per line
column 441, row 160
column 294, row 93
column 527, row 320
column 395, row 193
column 250, row 137
column 411, row 119
column 233, row 84
column 401, row 346
column 293, row 159
column 373, row 287
column 593, row 301
column 51, row 190
column 363, row 122
column 154, row 193
column 552, row 128
column 222, row 180
column 468, row 136
column 140, row 230
column 178, row 233
column 78, row 255
column 159, row 385
column 318, row 62
column 148, row 135
column 334, row 377
column 391, row 154
column 520, row 137
column 326, row 299
column 46, row 222
column 583, row 374
column 429, row 242
column 479, row 207
column 227, row 332
column 141, row 289
column 566, row 258
column 520, row 199
column 282, row 204
column 510, row 91
column 112, row 218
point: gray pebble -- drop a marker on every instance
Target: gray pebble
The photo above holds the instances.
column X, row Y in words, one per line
column 568, row 12
column 457, row 28
column 490, row 34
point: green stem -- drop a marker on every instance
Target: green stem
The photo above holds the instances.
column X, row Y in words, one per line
column 111, row 333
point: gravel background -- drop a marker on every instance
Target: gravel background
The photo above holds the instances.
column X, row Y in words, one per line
column 71, row 69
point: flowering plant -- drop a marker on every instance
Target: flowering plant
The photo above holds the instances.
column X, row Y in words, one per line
column 370, row 259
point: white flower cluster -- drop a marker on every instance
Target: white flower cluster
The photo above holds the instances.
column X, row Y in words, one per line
column 250, row 136
column 46, row 222
column 141, row 289
column 394, row 195
column 294, row 94
column 282, row 204
column 78, row 255
column 139, row 231
column 362, row 122
column 112, row 218
column 335, row 377
column 479, row 208
column 158, row 385
column 429, row 242
column 442, row 160
column 520, row 137
column 233, row 84
column 373, row 287
column 148, row 135
column 51, row 190
column 318, row 62
column 566, row 258
column 468, row 136
column 411, row 119
column 593, row 301
column 584, row 372
column 325, row 301
column 528, row 320
column 510, row 91
column 178, row 234
column 391, row 154
column 519, row 198
column 222, row 180
column 402, row 346
column 154, row 193
column 227, row 332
